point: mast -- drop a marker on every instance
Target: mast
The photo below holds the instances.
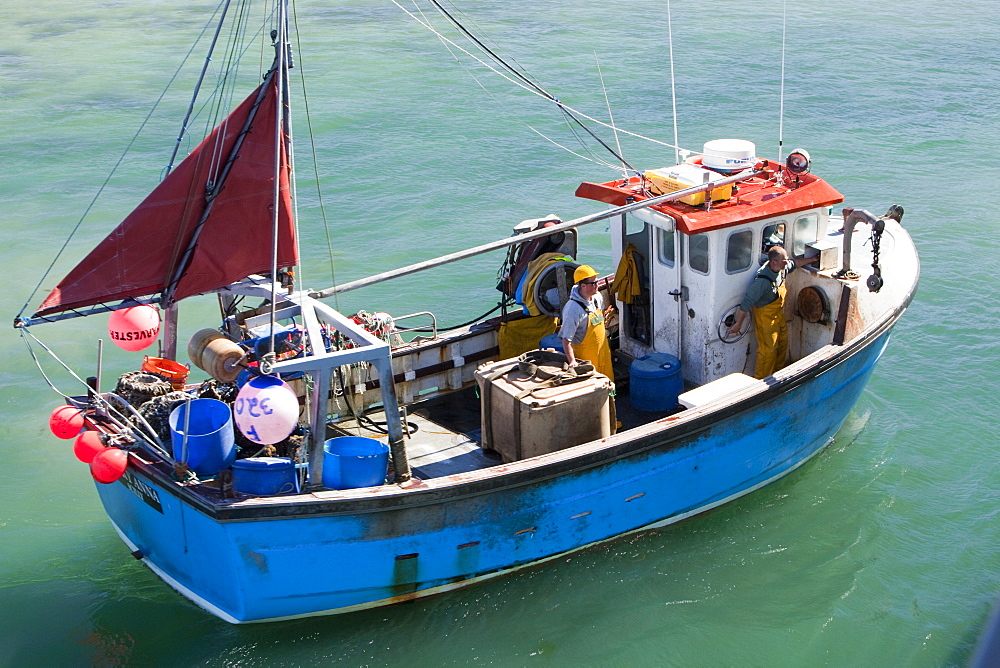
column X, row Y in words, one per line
column 282, row 64
column 169, row 343
column 278, row 76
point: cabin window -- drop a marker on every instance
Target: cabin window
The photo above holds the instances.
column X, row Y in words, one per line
column 739, row 251
column 698, row 253
column 774, row 235
column 633, row 225
column 805, row 230
column 665, row 242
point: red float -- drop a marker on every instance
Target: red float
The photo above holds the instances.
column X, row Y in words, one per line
column 66, row 421
column 109, row 465
column 87, row 445
column 134, row 328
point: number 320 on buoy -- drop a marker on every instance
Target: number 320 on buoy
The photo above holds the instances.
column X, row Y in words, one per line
column 266, row 410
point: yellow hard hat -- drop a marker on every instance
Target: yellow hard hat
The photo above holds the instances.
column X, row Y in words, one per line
column 583, row 272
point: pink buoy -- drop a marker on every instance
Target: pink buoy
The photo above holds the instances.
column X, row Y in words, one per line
column 66, row 421
column 266, row 410
column 87, row 445
column 109, row 465
column 134, row 328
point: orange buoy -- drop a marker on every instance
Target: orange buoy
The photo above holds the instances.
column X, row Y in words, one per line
column 87, row 445
column 66, row 421
column 109, row 465
column 134, row 328
column 173, row 371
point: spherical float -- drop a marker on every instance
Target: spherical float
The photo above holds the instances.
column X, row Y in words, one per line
column 266, row 410
column 109, row 465
column 134, row 328
column 87, row 445
column 66, row 421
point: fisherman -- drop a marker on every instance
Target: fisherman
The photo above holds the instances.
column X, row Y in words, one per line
column 582, row 331
column 766, row 298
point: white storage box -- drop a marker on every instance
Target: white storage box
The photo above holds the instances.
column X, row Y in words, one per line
column 709, row 392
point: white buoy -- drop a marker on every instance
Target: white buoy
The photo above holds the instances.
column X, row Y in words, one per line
column 266, row 410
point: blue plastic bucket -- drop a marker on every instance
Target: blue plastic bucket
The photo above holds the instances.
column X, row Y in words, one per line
column 211, row 443
column 265, row 476
column 655, row 382
column 354, row 461
column 551, row 341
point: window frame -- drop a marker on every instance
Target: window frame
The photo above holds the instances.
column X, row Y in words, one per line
column 749, row 250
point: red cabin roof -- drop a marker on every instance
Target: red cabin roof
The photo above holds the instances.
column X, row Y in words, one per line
column 754, row 199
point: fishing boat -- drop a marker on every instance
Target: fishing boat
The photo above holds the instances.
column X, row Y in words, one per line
column 303, row 461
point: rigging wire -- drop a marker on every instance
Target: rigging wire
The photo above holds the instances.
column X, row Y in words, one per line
column 123, row 421
column 25, row 333
column 781, row 107
column 281, row 76
column 531, row 89
column 514, row 71
column 594, row 157
column 114, row 169
column 197, row 88
column 673, row 88
column 315, row 160
column 610, row 115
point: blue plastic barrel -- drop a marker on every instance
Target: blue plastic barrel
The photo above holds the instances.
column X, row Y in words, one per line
column 211, row 443
column 551, row 341
column 354, row 461
column 655, row 382
column 265, row 476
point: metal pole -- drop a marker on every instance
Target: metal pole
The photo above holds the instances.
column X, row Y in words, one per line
column 528, row 236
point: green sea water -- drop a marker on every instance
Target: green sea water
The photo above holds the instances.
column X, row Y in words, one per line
column 881, row 551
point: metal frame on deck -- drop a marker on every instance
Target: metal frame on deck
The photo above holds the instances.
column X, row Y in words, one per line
column 320, row 363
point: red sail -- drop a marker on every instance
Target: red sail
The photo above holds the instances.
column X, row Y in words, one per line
column 139, row 258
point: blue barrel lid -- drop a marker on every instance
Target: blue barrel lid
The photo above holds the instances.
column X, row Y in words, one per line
column 656, row 365
column 259, row 463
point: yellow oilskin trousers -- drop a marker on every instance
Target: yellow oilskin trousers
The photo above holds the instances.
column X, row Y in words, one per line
column 772, row 335
column 594, row 347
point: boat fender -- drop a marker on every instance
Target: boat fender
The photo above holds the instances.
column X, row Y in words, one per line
column 198, row 343
column 221, row 359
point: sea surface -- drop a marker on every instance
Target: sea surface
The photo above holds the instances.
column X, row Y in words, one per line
column 883, row 550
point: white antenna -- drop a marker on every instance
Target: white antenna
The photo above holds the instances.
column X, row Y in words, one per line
column 673, row 92
column 781, row 109
column 610, row 116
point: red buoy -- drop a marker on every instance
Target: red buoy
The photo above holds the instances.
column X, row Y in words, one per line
column 87, row 445
column 66, row 421
column 134, row 328
column 109, row 465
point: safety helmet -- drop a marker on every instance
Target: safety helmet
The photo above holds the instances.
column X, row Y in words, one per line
column 583, row 272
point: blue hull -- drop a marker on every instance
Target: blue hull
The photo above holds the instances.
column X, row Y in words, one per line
column 275, row 560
